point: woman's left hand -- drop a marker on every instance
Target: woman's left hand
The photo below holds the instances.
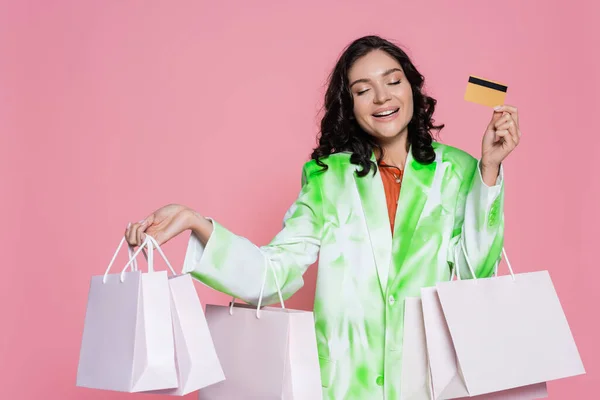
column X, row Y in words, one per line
column 501, row 136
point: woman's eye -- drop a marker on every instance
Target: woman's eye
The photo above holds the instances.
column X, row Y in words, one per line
column 395, row 83
column 362, row 92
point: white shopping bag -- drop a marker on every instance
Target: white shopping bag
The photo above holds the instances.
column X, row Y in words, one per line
column 446, row 379
column 127, row 342
column 197, row 363
column 508, row 331
column 267, row 354
column 446, row 376
column 415, row 380
column 195, row 356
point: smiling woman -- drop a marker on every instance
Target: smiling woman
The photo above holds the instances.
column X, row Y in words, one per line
column 379, row 237
column 373, row 79
column 383, row 102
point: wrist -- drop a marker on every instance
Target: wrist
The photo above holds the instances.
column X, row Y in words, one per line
column 491, row 165
column 199, row 225
column 489, row 172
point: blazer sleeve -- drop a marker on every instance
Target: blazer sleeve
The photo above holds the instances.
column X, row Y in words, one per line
column 478, row 231
column 234, row 265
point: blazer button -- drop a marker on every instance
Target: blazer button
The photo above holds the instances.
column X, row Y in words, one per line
column 392, row 300
column 379, row 380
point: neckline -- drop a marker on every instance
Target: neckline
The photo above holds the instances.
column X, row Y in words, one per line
column 384, row 165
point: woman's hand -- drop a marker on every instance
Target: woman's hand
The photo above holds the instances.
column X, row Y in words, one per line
column 501, row 137
column 163, row 225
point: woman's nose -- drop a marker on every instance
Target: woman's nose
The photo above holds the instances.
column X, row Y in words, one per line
column 381, row 95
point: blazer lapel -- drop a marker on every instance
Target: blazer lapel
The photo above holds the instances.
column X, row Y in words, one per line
column 372, row 196
column 416, row 184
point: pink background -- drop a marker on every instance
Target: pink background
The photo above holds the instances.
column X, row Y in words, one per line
column 110, row 109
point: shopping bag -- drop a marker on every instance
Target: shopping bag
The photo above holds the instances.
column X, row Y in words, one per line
column 446, row 377
column 266, row 353
column 415, row 377
column 195, row 356
column 127, row 342
column 508, row 331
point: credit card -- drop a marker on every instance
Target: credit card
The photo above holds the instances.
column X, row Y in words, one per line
column 485, row 92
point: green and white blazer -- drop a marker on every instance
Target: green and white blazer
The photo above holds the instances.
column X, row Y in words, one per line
column 364, row 272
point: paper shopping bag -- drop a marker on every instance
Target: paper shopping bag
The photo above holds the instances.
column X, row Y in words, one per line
column 303, row 381
column 271, row 357
column 266, row 354
column 196, row 358
column 415, row 382
column 127, row 342
column 508, row 331
column 446, row 376
column 446, row 379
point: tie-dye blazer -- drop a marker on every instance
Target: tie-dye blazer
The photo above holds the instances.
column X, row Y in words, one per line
column 364, row 272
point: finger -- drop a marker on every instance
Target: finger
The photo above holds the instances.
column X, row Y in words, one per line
column 509, row 142
column 507, row 125
column 506, row 138
column 137, row 234
column 503, row 120
column 495, row 117
column 512, row 128
column 501, row 134
column 133, row 238
column 512, row 110
column 142, row 234
column 514, row 132
column 140, row 231
column 126, row 234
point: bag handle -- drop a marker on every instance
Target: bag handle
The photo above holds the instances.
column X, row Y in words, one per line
column 456, row 268
column 134, row 264
column 151, row 244
column 114, row 257
column 262, row 289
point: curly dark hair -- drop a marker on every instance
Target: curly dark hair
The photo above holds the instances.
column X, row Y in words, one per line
column 339, row 130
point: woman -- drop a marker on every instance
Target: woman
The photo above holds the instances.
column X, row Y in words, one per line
column 383, row 207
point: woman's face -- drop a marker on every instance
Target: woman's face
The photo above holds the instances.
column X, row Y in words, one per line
column 383, row 100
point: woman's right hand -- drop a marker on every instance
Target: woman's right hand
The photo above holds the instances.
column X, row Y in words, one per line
column 163, row 225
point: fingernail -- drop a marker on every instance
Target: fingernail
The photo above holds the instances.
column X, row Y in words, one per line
column 497, row 108
column 129, row 225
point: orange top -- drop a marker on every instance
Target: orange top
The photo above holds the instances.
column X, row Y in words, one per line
column 392, row 181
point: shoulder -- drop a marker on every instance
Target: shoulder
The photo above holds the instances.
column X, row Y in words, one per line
column 336, row 163
column 460, row 160
column 339, row 165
